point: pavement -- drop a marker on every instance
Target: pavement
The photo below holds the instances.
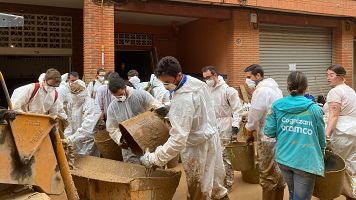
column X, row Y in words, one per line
column 240, row 191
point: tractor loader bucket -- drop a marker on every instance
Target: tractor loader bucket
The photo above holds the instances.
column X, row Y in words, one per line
column 28, row 155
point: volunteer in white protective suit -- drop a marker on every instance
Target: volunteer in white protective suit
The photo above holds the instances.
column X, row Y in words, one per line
column 157, row 90
column 340, row 110
column 41, row 97
column 264, row 95
column 96, row 83
column 127, row 104
column 64, row 90
column 134, row 79
column 193, row 134
column 83, row 116
column 228, row 110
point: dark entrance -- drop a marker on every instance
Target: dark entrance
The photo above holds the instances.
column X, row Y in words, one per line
column 138, row 60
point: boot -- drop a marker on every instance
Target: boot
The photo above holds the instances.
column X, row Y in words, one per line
column 275, row 194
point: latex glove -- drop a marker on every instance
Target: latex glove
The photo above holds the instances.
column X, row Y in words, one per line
column 235, row 130
column 328, row 144
column 162, row 111
column 147, row 160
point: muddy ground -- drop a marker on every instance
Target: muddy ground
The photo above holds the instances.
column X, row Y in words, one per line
column 240, row 191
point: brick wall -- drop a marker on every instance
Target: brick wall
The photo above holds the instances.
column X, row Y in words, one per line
column 98, row 30
column 330, row 7
column 343, row 36
column 241, row 55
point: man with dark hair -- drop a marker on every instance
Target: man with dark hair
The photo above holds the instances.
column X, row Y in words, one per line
column 228, row 110
column 41, row 97
column 265, row 93
column 193, row 134
column 73, row 76
column 95, row 84
column 127, row 104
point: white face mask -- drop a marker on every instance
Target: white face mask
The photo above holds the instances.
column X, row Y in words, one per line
column 250, row 83
column 210, row 82
column 120, row 98
column 101, row 78
column 170, row 86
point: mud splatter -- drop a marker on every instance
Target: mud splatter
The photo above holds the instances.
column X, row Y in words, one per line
column 21, row 169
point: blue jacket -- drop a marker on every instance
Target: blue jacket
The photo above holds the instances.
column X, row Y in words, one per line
column 297, row 124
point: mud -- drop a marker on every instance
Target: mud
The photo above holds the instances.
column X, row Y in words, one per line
column 21, row 169
column 146, row 130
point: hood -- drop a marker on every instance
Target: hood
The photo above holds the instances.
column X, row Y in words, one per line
column 134, row 80
column 41, row 78
column 293, row 104
column 64, row 77
column 154, row 81
column 191, row 85
column 268, row 82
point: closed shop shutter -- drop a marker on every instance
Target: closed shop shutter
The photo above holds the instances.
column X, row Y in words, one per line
column 309, row 48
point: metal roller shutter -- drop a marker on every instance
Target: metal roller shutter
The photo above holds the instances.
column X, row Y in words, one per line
column 309, row 48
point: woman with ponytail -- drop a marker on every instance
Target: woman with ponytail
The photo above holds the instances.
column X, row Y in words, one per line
column 298, row 126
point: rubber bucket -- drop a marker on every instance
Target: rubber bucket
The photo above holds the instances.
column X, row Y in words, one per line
column 146, row 130
column 241, row 155
column 108, row 147
column 251, row 176
column 173, row 163
column 330, row 186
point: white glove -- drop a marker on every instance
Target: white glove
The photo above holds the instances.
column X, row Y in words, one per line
column 147, row 159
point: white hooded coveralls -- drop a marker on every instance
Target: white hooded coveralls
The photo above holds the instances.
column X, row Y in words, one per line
column 266, row 92
column 41, row 103
column 194, row 135
column 83, row 116
column 137, row 101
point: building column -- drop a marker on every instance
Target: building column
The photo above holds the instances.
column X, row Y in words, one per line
column 99, row 22
column 243, row 46
column 343, row 36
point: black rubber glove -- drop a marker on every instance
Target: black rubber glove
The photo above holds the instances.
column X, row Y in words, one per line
column 235, row 130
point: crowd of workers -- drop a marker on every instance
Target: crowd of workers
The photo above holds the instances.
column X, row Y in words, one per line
column 205, row 117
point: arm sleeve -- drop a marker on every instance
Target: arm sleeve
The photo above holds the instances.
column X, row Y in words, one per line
column 90, row 88
column 257, row 109
column 334, row 96
column 99, row 98
column 270, row 129
column 112, row 125
column 181, row 121
column 235, row 104
column 21, row 96
column 91, row 117
column 150, row 102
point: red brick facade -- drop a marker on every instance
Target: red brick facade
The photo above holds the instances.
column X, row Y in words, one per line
column 98, row 32
column 243, row 46
column 343, row 36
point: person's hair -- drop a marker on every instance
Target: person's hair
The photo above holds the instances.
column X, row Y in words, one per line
column 112, row 75
column 297, row 83
column 99, row 70
column 212, row 69
column 168, row 66
column 53, row 74
column 132, row 73
column 116, row 84
column 338, row 69
column 75, row 74
column 255, row 69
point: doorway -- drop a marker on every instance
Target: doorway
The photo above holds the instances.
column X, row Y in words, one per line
column 138, row 60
